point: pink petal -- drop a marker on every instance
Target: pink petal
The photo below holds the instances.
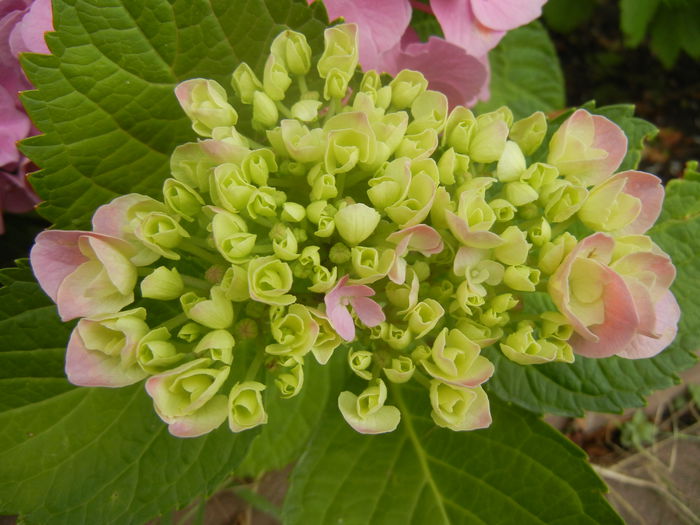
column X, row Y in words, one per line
column 648, row 189
column 611, row 138
column 658, row 265
column 397, row 274
column 111, row 218
column 667, row 315
column 88, row 368
column 340, row 319
column 599, row 244
column 28, row 34
column 54, row 256
column 505, row 15
column 14, row 126
column 421, row 238
column 381, row 25
column 621, row 319
column 368, row 310
column 461, row 27
column 447, row 67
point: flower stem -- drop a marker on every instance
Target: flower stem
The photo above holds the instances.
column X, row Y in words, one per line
column 283, row 109
column 173, row 322
column 201, row 253
column 301, row 82
column 195, row 282
column 255, row 365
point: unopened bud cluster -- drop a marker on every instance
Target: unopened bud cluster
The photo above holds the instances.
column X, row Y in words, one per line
column 357, row 212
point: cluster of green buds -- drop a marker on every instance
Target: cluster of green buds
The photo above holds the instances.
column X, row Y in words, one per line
column 356, row 215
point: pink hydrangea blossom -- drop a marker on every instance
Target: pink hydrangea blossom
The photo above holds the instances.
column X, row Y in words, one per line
column 618, row 303
column 22, row 27
column 456, row 65
column 357, row 296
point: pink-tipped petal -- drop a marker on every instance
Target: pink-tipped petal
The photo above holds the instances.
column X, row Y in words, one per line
column 648, row 189
column 90, row 368
column 369, row 311
column 340, row 319
column 111, row 219
column 54, row 256
column 421, row 238
column 505, row 15
column 208, row 418
column 667, row 315
column 611, row 138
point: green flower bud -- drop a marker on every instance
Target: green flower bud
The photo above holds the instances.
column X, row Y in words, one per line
column 323, row 279
column 529, row 132
column 452, row 164
column 323, row 186
column 245, row 406
column 405, row 88
column 608, row 208
column 418, row 146
column 562, row 200
column 469, row 295
column 326, row 341
column 269, row 280
column 404, row 295
column 356, row 222
column 416, row 205
column 291, row 49
column 391, row 187
column 276, row 80
column 539, row 175
column 397, row 337
column 191, row 163
column 553, row 253
column 190, row 332
column 369, row 264
column 303, row 145
column 401, row 370
column 306, row 110
column 455, row 359
column 540, row 233
column 326, row 223
column 293, row 212
column 424, row 317
column 246, row 329
column 245, row 83
column 265, row 114
column 258, row 164
column 336, row 84
column 182, row 199
column 160, row 233
column 294, row 332
column 367, row 413
column 503, row 210
column 229, row 187
column 521, row 278
column 515, row 247
column 286, row 248
column 290, row 381
column 187, row 396
column 235, row 284
column 339, row 253
column 340, row 50
column 479, row 333
column 205, row 103
column 231, row 237
column 215, row 312
column 217, row 345
column 520, row 193
column 371, row 82
column 315, row 209
column 511, row 164
column 360, row 361
column 521, row 346
column 488, row 139
column 155, row 353
column 429, row 110
column 555, row 325
column 163, row 284
column 459, row 129
column 263, row 202
column 459, row 408
column 389, row 131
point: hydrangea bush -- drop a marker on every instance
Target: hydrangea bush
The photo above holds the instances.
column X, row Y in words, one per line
column 360, row 219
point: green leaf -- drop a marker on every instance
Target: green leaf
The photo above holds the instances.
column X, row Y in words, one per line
column 565, row 16
column 88, row 455
column 424, row 474
column 105, row 98
column 292, row 421
column 635, row 16
column 613, row 384
column 525, row 73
